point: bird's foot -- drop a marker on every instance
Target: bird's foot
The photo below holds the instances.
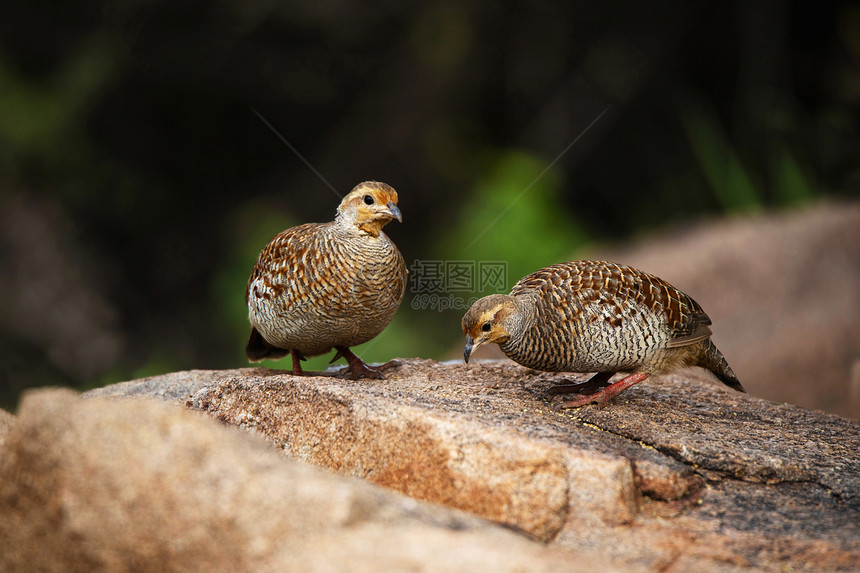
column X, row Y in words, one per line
column 602, row 397
column 591, row 386
column 355, row 371
column 389, row 365
column 356, row 367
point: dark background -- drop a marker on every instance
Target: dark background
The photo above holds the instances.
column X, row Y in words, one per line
column 138, row 181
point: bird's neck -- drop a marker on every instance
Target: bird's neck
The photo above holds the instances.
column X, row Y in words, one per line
column 348, row 222
column 522, row 320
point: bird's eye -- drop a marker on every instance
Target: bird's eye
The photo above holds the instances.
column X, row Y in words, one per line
column 486, row 327
column 368, row 200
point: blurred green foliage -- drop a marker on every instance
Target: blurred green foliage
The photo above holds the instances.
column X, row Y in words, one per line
column 719, row 161
column 42, row 121
column 514, row 212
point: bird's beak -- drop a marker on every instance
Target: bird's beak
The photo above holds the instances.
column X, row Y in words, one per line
column 394, row 211
column 467, row 351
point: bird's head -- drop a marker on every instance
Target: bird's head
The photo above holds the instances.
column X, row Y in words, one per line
column 489, row 320
column 370, row 206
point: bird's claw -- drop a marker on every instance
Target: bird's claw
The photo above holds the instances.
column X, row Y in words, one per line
column 357, row 371
column 600, row 398
column 591, row 386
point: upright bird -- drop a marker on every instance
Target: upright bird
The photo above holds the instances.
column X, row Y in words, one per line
column 594, row 316
column 320, row 286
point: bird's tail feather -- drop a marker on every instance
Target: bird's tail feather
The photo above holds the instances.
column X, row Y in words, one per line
column 258, row 349
column 716, row 363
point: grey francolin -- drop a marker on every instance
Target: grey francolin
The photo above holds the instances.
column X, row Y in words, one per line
column 323, row 286
column 593, row 316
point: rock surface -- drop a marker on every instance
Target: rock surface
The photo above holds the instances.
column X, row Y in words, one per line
column 134, row 485
column 7, row 420
column 678, row 474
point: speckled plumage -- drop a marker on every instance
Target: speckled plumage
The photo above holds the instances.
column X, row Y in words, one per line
column 321, row 286
column 594, row 316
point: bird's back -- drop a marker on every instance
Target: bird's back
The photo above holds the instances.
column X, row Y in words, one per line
column 599, row 316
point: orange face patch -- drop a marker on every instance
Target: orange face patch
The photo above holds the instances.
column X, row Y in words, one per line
column 374, row 205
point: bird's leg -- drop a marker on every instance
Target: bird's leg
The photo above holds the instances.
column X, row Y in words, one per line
column 297, row 362
column 357, row 368
column 591, row 386
column 601, row 397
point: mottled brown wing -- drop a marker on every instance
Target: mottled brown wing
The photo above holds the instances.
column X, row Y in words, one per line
column 626, row 289
column 289, row 253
